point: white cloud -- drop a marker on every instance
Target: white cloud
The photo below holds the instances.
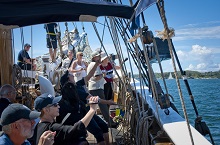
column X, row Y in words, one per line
column 210, row 32
column 198, row 58
column 201, row 53
column 204, row 67
column 191, row 67
column 202, row 59
column 181, row 54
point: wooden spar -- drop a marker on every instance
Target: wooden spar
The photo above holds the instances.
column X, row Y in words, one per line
column 6, row 57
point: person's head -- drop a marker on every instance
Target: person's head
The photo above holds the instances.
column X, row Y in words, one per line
column 66, row 77
column 79, row 55
column 27, row 46
column 18, row 120
column 8, row 91
column 69, row 93
column 96, row 55
column 48, row 105
column 70, row 54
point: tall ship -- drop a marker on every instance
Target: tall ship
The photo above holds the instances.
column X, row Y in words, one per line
column 145, row 111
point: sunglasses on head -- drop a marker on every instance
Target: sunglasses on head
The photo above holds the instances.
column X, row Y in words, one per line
column 53, row 105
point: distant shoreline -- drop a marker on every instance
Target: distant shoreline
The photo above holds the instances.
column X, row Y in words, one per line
column 190, row 75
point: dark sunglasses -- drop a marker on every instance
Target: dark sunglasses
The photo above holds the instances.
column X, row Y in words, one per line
column 81, row 55
column 53, row 105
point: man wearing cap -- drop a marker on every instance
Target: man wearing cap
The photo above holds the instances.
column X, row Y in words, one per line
column 18, row 124
column 24, row 60
column 66, row 134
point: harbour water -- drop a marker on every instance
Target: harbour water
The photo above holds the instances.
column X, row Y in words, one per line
column 206, row 94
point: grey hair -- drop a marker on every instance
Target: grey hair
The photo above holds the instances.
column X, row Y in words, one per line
column 5, row 89
column 6, row 129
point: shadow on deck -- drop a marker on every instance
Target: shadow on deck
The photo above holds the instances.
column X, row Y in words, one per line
column 113, row 137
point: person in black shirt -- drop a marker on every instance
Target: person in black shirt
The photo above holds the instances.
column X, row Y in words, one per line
column 24, row 60
column 65, row 134
column 74, row 98
column 51, row 29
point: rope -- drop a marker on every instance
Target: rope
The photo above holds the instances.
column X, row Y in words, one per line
column 160, row 66
column 22, row 43
column 103, row 31
column 140, row 76
column 94, row 26
column 26, row 89
column 151, row 78
column 31, row 55
column 116, row 42
column 102, row 45
column 59, row 42
column 120, row 28
column 160, row 5
column 74, row 24
column 13, row 43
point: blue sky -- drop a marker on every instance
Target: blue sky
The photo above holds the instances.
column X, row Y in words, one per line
column 197, row 34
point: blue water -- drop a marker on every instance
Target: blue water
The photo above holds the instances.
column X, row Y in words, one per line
column 206, row 94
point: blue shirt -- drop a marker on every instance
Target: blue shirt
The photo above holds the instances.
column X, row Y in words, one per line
column 23, row 54
column 4, row 140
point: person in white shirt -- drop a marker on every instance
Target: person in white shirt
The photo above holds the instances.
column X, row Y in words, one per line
column 96, row 87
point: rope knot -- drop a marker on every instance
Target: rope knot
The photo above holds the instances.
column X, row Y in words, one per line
column 166, row 33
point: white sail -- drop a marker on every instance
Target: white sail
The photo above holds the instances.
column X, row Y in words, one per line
column 170, row 76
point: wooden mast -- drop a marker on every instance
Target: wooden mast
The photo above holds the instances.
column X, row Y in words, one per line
column 6, row 57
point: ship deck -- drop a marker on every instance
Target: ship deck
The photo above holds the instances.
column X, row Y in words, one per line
column 114, row 137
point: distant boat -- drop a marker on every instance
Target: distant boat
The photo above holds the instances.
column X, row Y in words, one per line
column 170, row 76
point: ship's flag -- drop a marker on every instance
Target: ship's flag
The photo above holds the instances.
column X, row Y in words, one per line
column 141, row 6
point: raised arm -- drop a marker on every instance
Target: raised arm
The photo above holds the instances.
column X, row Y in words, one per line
column 92, row 71
column 93, row 107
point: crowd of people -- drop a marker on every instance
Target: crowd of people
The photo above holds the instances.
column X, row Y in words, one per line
column 62, row 119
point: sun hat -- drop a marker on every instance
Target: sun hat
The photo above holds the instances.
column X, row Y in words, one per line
column 103, row 56
column 95, row 53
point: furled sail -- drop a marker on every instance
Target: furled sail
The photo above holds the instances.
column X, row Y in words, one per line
column 31, row 12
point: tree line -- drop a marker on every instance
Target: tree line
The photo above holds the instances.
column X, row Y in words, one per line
column 190, row 75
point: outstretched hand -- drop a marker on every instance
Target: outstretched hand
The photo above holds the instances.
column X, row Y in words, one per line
column 47, row 138
column 93, row 102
